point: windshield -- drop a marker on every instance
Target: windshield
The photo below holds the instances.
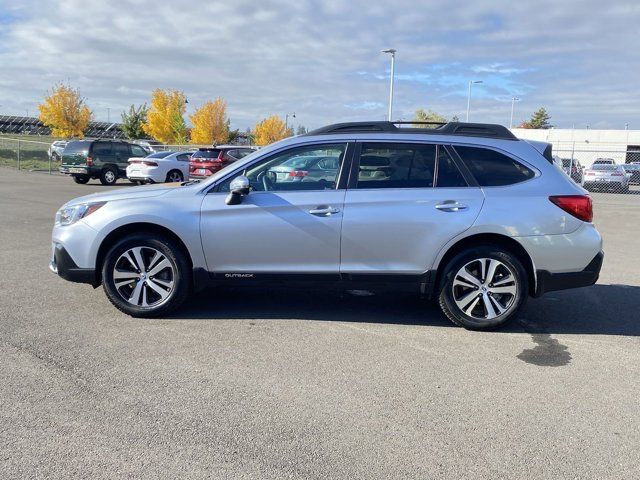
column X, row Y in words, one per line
column 632, row 167
column 81, row 146
column 206, row 154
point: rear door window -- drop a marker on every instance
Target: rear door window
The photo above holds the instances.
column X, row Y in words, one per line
column 396, row 165
column 101, row 148
column 493, row 169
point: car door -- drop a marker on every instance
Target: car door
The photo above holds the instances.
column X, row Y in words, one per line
column 121, row 153
column 102, row 154
column 183, row 160
column 405, row 201
column 281, row 227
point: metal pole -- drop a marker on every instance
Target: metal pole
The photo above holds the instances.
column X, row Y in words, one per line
column 18, row 154
column 393, row 71
column 469, row 99
column 513, row 102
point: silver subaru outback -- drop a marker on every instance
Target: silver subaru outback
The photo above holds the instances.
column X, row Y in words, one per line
column 465, row 214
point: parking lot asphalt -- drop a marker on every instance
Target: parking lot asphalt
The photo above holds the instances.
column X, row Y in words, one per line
column 282, row 384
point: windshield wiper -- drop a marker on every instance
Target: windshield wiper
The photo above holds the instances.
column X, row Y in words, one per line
column 190, row 182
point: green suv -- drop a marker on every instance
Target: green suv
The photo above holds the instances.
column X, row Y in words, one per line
column 103, row 159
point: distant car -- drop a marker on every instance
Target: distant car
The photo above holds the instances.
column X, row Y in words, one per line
column 572, row 168
column 208, row 160
column 633, row 172
column 606, row 176
column 56, row 149
column 604, row 161
column 149, row 146
column 159, row 167
column 103, row 159
column 321, row 170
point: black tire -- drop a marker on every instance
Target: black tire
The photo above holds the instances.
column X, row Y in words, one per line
column 108, row 176
column 81, row 179
column 179, row 268
column 508, row 264
column 174, row 176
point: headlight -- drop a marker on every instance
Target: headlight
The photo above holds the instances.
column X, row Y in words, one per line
column 69, row 215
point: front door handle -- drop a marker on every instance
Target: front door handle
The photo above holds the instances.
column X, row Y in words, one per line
column 451, row 206
column 324, row 210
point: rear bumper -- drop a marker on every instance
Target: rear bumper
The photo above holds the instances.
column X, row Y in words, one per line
column 549, row 282
column 63, row 265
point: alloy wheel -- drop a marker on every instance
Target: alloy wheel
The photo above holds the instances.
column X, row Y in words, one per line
column 174, row 177
column 484, row 288
column 144, row 277
column 109, row 176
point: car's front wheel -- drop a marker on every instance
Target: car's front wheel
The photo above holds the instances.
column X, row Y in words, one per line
column 146, row 275
column 483, row 288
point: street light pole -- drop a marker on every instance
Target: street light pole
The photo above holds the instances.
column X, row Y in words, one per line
column 513, row 101
column 391, row 51
column 286, row 119
column 471, row 82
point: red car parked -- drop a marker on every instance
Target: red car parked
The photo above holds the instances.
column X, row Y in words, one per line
column 208, row 160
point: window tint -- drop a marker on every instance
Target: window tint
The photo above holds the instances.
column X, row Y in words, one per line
column 492, row 169
column 206, row 154
column 153, row 155
column 298, row 168
column 101, row 148
column 138, row 151
column 448, row 173
column 396, row 165
column 79, row 147
column 183, row 157
column 121, row 149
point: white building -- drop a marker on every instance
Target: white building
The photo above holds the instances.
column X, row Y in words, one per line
column 587, row 145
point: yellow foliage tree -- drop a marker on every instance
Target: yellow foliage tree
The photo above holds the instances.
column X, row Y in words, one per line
column 210, row 123
column 271, row 130
column 165, row 121
column 65, row 112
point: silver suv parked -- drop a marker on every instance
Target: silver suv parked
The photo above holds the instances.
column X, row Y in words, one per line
column 464, row 213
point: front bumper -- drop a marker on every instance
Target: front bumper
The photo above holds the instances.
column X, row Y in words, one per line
column 549, row 282
column 63, row 265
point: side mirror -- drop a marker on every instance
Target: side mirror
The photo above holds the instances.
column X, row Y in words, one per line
column 239, row 187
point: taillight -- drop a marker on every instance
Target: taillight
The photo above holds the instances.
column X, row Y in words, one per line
column 135, row 161
column 89, row 161
column 298, row 173
column 149, row 164
column 580, row 206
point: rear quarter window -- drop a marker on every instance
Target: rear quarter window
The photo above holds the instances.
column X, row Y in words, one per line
column 493, row 169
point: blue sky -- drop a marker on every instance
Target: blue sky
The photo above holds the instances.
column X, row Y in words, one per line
column 322, row 60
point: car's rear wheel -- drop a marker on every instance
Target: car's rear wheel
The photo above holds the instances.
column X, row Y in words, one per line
column 81, row 179
column 108, row 176
column 174, row 176
column 146, row 275
column 483, row 288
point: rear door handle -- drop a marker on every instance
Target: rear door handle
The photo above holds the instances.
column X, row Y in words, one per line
column 451, row 206
column 324, row 210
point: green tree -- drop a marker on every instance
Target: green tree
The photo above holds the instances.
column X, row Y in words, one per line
column 301, row 130
column 455, row 118
column 133, row 120
column 423, row 115
column 539, row 119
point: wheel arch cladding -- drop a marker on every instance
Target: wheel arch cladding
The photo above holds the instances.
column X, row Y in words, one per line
column 133, row 228
column 491, row 240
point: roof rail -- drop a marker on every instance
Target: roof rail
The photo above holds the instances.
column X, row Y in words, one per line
column 487, row 130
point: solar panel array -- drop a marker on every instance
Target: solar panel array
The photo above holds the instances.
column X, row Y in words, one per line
column 32, row 126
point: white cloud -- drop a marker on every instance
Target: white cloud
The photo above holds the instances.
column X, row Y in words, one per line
column 321, row 59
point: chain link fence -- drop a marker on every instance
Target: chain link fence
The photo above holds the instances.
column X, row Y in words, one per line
column 597, row 170
column 27, row 155
column 614, row 170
